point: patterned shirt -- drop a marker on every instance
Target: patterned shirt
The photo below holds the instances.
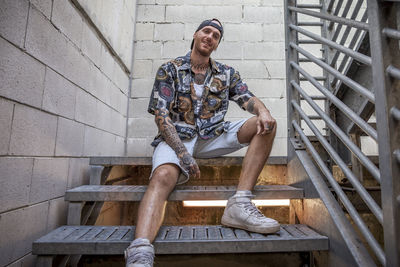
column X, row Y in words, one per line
column 174, row 90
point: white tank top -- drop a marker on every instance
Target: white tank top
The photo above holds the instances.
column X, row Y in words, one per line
column 199, row 88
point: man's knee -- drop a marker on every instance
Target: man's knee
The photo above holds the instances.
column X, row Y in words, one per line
column 165, row 176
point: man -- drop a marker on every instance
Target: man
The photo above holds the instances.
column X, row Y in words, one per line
column 189, row 100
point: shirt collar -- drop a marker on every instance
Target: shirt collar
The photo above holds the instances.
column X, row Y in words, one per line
column 186, row 63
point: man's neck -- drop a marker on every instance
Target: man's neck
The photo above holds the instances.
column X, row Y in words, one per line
column 199, row 62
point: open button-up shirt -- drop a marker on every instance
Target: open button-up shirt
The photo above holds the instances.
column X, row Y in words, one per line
column 174, row 91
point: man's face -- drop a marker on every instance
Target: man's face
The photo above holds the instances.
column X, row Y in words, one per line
column 206, row 40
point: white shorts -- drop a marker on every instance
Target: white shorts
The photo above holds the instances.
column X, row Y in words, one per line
column 218, row 146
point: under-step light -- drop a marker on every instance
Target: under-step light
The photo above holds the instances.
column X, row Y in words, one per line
column 222, row 203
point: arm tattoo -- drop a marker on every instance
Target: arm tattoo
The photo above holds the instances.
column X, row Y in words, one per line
column 168, row 132
column 250, row 105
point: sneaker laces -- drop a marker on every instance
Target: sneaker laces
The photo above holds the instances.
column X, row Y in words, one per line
column 251, row 208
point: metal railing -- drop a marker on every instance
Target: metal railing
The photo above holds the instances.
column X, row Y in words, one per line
column 351, row 34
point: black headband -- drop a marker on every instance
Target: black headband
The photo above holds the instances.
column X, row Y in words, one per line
column 210, row 22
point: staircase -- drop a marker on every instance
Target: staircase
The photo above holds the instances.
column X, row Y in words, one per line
column 85, row 202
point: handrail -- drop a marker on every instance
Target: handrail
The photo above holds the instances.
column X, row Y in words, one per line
column 349, row 207
column 349, row 82
column 339, row 133
column 339, row 104
column 340, row 20
column 356, row 55
column 369, row 201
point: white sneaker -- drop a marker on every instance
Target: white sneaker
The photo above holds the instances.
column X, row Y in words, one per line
column 139, row 254
column 241, row 213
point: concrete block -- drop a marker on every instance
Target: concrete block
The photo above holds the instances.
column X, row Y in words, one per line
column 191, row 13
column 33, row 132
column 85, row 110
column 277, row 106
column 249, row 32
column 138, row 108
column 6, row 114
column 273, row 32
column 249, row 69
column 150, row 13
column 169, row 31
column 117, row 100
column 276, row 69
column 13, row 17
column 318, row 123
column 59, row 95
column 312, row 69
column 45, row 42
column 270, row 50
column 103, row 113
column 274, row 3
column 15, row 183
column 137, row 147
column 78, row 173
column 156, row 65
column 43, row 6
column 146, row 2
column 120, row 78
column 227, row 13
column 190, row 29
column 91, row 45
column 21, row 76
column 142, row 69
column 106, row 62
column 369, row 146
column 78, row 69
column 66, row 18
column 119, row 146
column 174, row 49
column 279, row 148
column 70, row 138
column 102, row 87
column 142, row 127
column 93, row 142
column 229, row 50
column 144, row 31
column 258, row 14
column 49, row 179
column 142, row 87
column 117, row 123
column 57, row 216
column 171, row 2
column 147, row 50
column 274, row 88
column 19, row 228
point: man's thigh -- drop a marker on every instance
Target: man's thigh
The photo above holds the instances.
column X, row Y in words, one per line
column 164, row 154
column 226, row 143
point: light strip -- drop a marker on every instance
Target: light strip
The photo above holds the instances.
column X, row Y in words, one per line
column 222, row 203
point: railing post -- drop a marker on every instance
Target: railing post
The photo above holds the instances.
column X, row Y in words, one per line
column 291, row 74
column 385, row 52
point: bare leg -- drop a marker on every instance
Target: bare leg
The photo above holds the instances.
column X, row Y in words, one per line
column 152, row 206
column 257, row 153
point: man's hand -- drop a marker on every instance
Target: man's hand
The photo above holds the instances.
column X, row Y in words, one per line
column 189, row 164
column 265, row 123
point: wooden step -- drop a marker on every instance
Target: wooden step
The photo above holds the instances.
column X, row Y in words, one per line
column 220, row 161
column 113, row 240
column 135, row 192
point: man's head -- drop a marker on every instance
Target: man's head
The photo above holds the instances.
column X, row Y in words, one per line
column 207, row 36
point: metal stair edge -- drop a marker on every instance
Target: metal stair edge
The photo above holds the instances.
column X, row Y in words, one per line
column 135, row 192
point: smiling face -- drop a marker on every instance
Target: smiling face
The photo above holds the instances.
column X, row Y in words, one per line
column 206, row 40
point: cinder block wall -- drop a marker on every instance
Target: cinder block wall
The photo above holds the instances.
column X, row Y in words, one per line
column 253, row 43
column 64, row 81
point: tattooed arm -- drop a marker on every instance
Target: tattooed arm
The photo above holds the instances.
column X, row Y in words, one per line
column 265, row 122
column 171, row 137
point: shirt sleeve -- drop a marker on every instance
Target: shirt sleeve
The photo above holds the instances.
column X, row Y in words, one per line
column 238, row 90
column 163, row 92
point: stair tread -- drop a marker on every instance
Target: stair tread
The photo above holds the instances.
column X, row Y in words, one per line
column 198, row 239
column 135, row 192
column 220, row 161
